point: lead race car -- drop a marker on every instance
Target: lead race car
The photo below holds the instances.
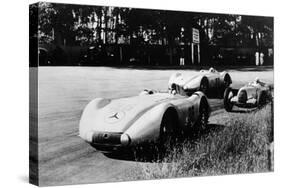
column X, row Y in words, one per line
column 254, row 94
column 150, row 117
column 205, row 81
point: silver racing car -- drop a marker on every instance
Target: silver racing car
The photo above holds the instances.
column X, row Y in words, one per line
column 150, row 117
column 206, row 81
column 253, row 94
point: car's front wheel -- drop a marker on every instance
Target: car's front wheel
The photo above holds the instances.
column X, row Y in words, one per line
column 167, row 131
column 203, row 118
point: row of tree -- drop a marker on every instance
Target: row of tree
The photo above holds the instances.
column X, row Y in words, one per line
column 66, row 24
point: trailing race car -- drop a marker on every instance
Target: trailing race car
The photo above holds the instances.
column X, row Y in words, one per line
column 253, row 94
column 205, row 81
column 151, row 117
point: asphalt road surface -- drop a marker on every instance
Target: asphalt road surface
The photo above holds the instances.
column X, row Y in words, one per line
column 64, row 158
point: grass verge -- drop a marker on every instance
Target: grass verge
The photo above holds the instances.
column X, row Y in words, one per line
column 240, row 147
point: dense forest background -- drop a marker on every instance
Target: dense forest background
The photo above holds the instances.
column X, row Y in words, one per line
column 162, row 32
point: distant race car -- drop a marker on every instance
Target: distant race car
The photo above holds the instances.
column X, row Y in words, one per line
column 253, row 94
column 205, row 81
column 150, row 117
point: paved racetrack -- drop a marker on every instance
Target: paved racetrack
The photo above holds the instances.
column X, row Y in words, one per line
column 63, row 93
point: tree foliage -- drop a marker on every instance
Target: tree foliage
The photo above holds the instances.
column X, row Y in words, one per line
column 78, row 24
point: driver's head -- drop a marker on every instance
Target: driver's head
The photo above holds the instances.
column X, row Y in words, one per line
column 257, row 80
column 211, row 69
column 173, row 89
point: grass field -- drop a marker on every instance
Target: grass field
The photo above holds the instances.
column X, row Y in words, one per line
column 239, row 144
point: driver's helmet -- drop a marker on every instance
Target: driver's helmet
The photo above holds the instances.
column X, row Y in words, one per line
column 173, row 92
column 212, row 69
column 172, row 89
column 257, row 80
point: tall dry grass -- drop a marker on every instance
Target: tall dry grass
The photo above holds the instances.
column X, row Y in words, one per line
column 240, row 147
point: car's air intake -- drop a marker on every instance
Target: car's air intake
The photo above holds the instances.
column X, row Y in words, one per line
column 107, row 138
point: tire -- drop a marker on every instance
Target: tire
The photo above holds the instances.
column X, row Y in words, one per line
column 261, row 99
column 226, row 81
column 204, row 85
column 203, row 118
column 167, row 130
column 228, row 94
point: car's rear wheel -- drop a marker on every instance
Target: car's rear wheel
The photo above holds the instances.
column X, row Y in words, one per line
column 228, row 94
column 226, row 84
column 204, row 86
column 226, row 81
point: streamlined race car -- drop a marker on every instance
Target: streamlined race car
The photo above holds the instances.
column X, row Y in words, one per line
column 150, row 117
column 253, row 94
column 205, row 81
